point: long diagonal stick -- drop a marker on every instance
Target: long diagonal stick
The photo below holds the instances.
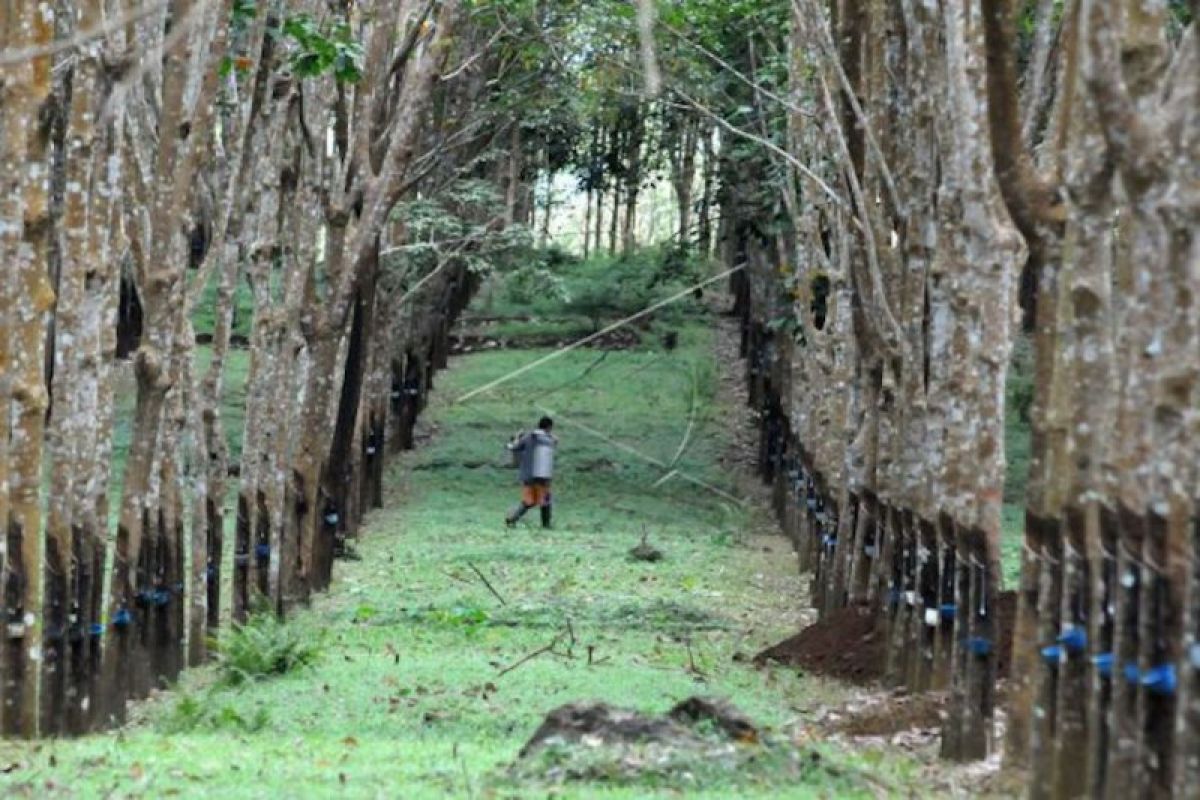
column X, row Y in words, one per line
column 562, row 351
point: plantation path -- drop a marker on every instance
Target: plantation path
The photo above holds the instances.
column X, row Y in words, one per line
column 408, row 698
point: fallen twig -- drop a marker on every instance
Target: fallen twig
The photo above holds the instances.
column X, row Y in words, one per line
column 578, row 377
column 592, row 660
column 487, row 583
column 692, row 668
column 541, row 651
column 458, row 578
column 571, row 640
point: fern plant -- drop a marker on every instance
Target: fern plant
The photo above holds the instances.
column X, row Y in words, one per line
column 263, row 647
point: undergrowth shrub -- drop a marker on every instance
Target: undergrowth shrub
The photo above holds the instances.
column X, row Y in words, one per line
column 191, row 713
column 604, row 286
column 263, row 647
column 469, row 619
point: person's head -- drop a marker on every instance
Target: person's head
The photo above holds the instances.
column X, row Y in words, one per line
column 545, row 424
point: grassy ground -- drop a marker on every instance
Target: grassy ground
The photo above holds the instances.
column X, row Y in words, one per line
column 407, row 698
column 1016, row 451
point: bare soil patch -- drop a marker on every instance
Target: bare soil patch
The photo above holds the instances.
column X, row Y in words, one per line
column 884, row 715
column 846, row 645
column 849, row 644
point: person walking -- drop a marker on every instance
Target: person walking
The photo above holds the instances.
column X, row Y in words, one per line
column 534, row 455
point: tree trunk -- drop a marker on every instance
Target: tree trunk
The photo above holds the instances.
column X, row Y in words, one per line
column 708, row 194
column 72, row 420
column 338, row 475
column 158, row 245
column 633, row 183
column 26, row 150
column 587, row 224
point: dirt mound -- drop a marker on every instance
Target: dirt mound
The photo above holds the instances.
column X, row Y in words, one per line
column 846, row 645
column 602, row 724
column 850, row 645
column 698, row 743
column 892, row 713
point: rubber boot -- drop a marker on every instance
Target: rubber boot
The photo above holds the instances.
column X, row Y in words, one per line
column 515, row 515
column 545, row 516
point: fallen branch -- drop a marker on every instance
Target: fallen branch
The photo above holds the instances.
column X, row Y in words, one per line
column 692, row 668
column 541, row 651
column 458, row 578
column 592, row 660
column 487, row 583
column 578, row 377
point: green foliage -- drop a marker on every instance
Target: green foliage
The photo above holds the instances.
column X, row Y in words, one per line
column 317, row 47
column 263, row 647
column 609, row 287
column 324, row 48
column 469, row 619
column 603, row 287
column 539, row 279
column 533, row 285
column 459, row 222
column 190, row 714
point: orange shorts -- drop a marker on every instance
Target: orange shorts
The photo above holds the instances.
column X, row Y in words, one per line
column 535, row 494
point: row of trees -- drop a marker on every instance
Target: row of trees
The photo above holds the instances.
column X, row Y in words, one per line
column 594, row 122
column 343, row 164
column 934, row 178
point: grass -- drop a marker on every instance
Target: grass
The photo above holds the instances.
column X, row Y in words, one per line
column 1017, row 444
column 408, row 698
column 204, row 320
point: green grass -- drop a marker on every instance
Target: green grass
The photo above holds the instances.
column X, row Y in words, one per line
column 204, row 321
column 1017, row 443
column 407, row 699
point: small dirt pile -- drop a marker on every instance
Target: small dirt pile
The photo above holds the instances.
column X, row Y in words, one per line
column 850, row 644
column 847, row 644
column 645, row 552
column 598, row 724
column 884, row 715
column 699, row 743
